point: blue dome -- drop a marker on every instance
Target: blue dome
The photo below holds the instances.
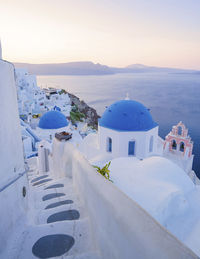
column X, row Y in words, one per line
column 53, row 120
column 127, row 115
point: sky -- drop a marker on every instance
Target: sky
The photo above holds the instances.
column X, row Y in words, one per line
column 111, row 32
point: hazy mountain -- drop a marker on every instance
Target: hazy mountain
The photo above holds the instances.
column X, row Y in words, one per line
column 90, row 68
column 71, row 68
column 138, row 66
column 143, row 68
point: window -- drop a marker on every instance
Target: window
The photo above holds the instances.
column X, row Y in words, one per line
column 179, row 130
column 109, row 145
column 182, row 146
column 151, row 144
column 174, row 145
column 131, row 148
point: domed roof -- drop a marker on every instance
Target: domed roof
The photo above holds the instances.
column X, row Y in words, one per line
column 127, row 115
column 53, row 120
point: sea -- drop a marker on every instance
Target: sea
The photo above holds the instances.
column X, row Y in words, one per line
column 171, row 97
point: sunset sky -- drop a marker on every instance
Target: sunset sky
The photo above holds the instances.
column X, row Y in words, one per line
column 115, row 33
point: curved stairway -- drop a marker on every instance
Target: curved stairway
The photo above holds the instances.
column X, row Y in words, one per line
column 58, row 225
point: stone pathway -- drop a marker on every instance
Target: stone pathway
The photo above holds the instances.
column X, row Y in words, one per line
column 58, row 223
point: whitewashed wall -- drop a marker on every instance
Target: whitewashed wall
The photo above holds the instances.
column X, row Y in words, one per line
column 13, row 205
column 61, row 165
column 13, row 211
column 11, row 148
column 121, row 228
column 120, row 141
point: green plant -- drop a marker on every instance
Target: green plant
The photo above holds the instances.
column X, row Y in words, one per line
column 76, row 115
column 62, row 91
column 104, row 171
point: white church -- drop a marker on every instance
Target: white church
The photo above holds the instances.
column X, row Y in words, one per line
column 127, row 129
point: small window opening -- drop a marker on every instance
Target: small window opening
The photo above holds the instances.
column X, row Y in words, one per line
column 179, row 130
column 182, row 147
column 109, row 145
column 174, row 145
column 151, row 144
column 131, row 148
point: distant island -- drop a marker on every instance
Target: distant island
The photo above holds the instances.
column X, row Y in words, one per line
column 90, row 68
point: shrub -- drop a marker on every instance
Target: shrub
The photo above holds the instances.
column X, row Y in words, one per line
column 62, row 91
column 76, row 115
column 104, row 171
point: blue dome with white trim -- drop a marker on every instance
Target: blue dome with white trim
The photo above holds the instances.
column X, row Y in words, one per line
column 127, row 115
column 53, row 120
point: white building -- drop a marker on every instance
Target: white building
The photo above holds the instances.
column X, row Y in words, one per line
column 24, row 79
column 127, row 129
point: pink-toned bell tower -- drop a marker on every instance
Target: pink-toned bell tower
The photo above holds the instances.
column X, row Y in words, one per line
column 178, row 141
column 178, row 148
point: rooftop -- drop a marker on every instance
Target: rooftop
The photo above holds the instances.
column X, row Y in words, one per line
column 127, row 115
column 53, row 120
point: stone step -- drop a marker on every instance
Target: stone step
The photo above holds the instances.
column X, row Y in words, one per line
column 44, row 214
column 89, row 255
column 56, row 216
column 78, row 231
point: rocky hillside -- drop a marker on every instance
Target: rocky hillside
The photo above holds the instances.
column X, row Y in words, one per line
column 91, row 116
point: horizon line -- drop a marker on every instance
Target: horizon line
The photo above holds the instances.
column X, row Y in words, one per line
column 96, row 63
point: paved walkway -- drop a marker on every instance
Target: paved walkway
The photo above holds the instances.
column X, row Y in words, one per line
column 58, row 225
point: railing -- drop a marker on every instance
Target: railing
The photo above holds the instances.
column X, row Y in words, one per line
column 11, row 181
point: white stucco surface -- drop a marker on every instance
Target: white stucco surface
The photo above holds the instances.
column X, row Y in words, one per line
column 121, row 228
column 94, row 146
column 164, row 190
column 89, row 146
column 11, row 148
column 121, row 139
column 13, row 206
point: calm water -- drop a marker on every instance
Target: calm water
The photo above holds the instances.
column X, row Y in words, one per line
column 170, row 97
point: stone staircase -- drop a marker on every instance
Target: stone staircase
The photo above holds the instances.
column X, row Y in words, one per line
column 58, row 225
